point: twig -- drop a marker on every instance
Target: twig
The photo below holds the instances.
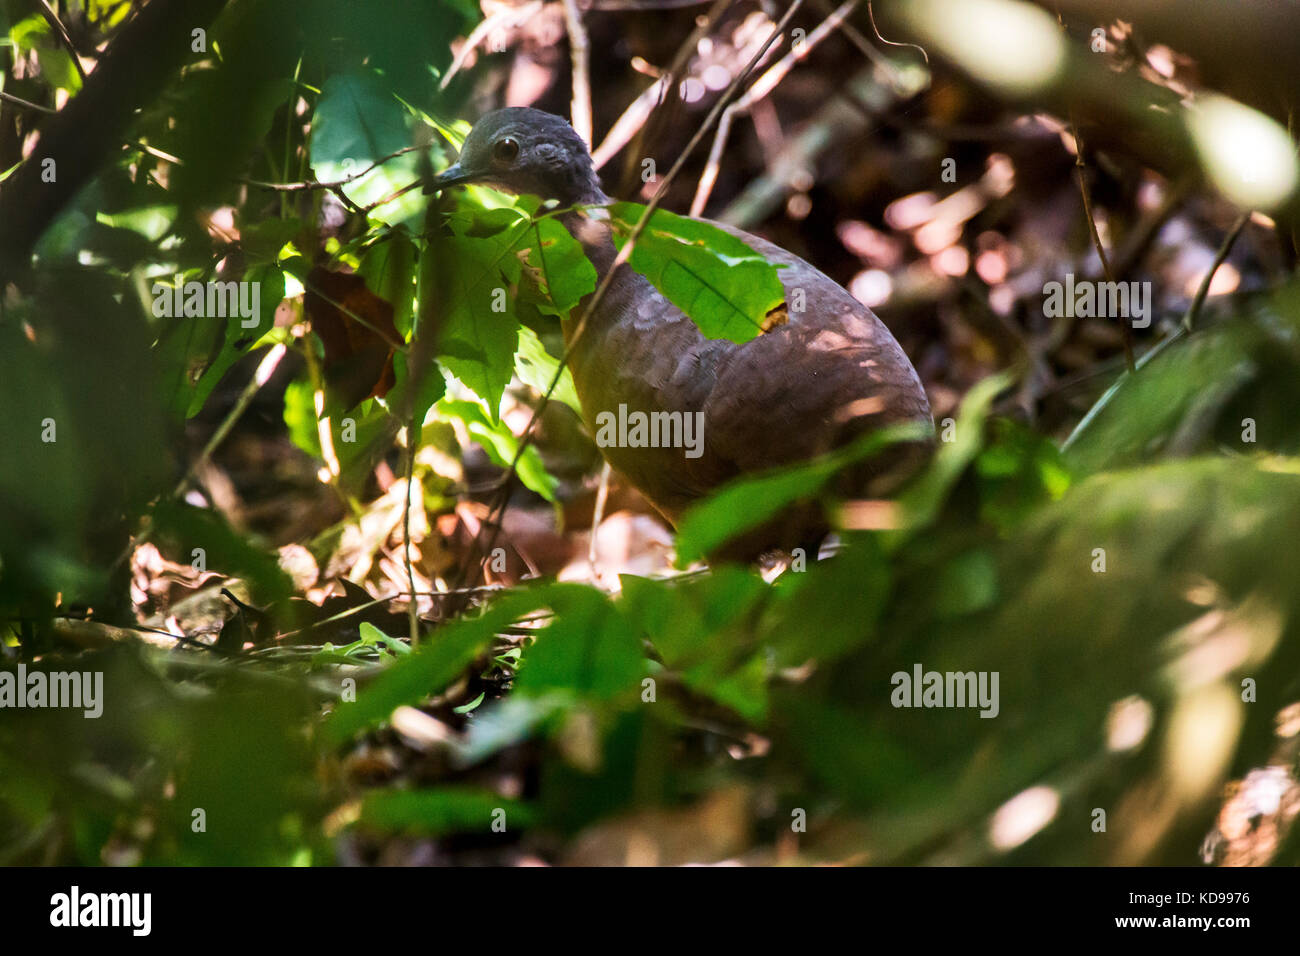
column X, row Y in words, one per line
column 627, row 125
column 335, row 184
column 669, row 80
column 854, row 36
column 761, row 88
column 598, row 514
column 155, row 153
column 871, row 14
column 1136, row 245
column 579, row 52
column 265, row 369
column 396, row 193
column 1125, row 330
column 504, row 18
column 19, row 101
column 48, row 12
column 602, row 288
column 412, row 609
column 138, row 61
column 1189, row 320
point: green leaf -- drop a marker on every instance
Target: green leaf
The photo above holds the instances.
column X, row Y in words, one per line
column 1179, row 400
column 729, row 667
column 358, row 122
column 263, row 241
column 238, row 338
column 444, row 810
column 720, row 282
column 481, row 330
column 509, row 721
column 589, row 649
column 389, row 270
column 746, row 503
column 434, row 665
column 536, row 368
column 35, row 33
column 438, row 661
column 921, row 501
column 561, row 267
column 372, row 430
column 501, row 445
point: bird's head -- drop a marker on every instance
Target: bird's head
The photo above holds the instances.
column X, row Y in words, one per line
column 524, row 150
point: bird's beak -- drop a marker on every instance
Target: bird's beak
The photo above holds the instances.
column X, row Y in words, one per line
column 453, row 175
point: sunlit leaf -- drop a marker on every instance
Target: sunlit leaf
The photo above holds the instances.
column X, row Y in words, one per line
column 721, row 283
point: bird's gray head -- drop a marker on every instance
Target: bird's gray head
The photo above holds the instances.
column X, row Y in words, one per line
column 524, row 150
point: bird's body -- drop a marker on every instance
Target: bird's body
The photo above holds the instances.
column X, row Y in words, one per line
column 831, row 372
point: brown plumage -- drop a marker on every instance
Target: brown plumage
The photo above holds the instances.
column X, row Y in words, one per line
column 828, row 374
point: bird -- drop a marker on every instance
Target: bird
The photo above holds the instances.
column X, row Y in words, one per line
column 828, row 374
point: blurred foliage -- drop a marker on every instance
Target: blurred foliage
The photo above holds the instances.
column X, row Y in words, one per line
column 1122, row 583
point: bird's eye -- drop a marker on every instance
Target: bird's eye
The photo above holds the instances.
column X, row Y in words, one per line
column 505, row 150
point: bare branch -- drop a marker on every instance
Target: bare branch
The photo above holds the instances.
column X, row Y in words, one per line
column 579, row 52
column 57, row 25
column 761, row 88
column 1189, row 320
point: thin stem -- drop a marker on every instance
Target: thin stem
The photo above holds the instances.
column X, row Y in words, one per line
column 19, row 101
column 335, row 184
column 1189, row 320
column 761, row 88
column 579, row 53
column 412, row 609
column 48, row 12
column 265, row 369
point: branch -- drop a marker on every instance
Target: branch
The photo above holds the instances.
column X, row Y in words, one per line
column 82, row 136
column 761, row 88
column 57, row 25
column 579, row 49
column 1204, row 288
column 311, row 184
column 19, row 101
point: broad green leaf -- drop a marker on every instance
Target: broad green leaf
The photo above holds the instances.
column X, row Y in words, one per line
column 35, row 34
column 239, row 338
column 922, row 499
column 389, row 270
column 369, row 427
column 748, row 502
column 508, row 721
column 480, row 331
column 1171, row 403
column 358, row 122
column 560, row 266
column 730, row 667
column 442, row 810
column 501, row 445
column 263, row 241
column 438, row 661
column 721, row 283
column 589, row 649
column 536, row 368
